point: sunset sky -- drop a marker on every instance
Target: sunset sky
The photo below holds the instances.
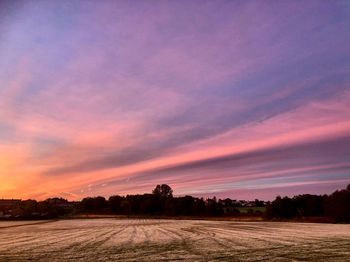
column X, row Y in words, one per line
column 240, row 99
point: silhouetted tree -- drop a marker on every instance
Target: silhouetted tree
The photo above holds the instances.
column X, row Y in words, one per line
column 184, row 205
column 335, row 206
column 199, row 207
column 114, row 203
column 213, row 207
column 258, row 203
column 338, row 206
column 281, row 208
column 163, row 190
column 93, row 203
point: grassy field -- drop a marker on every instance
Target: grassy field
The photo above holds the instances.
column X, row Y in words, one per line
column 172, row 240
column 245, row 210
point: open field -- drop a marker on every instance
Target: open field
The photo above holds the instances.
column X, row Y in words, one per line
column 172, row 240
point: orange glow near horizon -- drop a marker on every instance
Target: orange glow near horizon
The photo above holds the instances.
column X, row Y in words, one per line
column 112, row 99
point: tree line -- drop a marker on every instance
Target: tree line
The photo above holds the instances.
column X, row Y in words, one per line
column 334, row 207
column 161, row 202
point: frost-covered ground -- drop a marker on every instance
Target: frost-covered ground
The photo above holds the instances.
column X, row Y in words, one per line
column 172, row 240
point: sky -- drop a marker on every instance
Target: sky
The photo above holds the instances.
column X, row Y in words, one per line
column 239, row 99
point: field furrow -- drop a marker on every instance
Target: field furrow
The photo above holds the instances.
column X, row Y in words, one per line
column 172, row 240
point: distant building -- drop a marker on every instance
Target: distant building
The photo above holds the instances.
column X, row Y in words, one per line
column 7, row 206
column 9, row 203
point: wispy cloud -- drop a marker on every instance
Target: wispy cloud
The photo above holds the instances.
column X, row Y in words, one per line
column 140, row 94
